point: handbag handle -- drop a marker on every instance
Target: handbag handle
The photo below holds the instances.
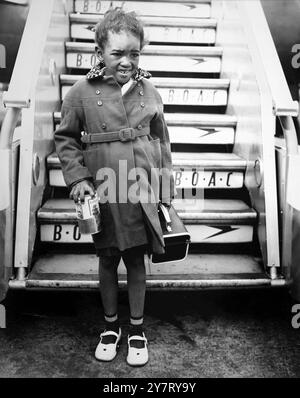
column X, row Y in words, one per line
column 166, row 216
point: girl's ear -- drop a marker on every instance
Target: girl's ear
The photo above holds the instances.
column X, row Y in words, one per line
column 98, row 51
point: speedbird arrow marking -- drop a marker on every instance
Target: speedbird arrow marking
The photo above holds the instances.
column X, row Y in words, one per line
column 208, row 131
column 190, row 6
column 223, row 230
column 199, row 60
column 91, row 28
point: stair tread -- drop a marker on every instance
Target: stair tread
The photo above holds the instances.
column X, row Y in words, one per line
column 214, row 160
column 208, row 210
column 179, row 60
column 175, row 50
column 212, row 205
column 182, row 82
column 152, row 20
column 201, row 118
column 163, row 277
column 210, row 159
column 163, row 8
column 176, row 282
column 192, row 267
column 190, row 119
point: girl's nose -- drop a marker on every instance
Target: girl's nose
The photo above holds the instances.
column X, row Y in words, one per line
column 125, row 61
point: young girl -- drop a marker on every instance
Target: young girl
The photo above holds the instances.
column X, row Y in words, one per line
column 113, row 126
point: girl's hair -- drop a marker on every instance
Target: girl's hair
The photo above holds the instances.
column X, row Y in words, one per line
column 117, row 20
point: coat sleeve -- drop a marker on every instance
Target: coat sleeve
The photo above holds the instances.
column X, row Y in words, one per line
column 159, row 129
column 68, row 143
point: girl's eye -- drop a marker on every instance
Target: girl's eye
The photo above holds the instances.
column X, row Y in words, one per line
column 116, row 54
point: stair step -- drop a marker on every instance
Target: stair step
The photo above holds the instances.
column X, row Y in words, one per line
column 155, row 59
column 197, row 120
column 193, row 22
column 208, row 161
column 152, row 49
column 165, row 82
column 191, row 170
column 208, row 221
column 201, row 136
column 193, row 8
column 217, row 233
column 171, row 282
column 208, row 170
column 158, row 29
column 87, row 264
column 197, row 129
column 200, row 120
column 214, row 210
column 197, row 271
column 191, row 210
column 177, row 91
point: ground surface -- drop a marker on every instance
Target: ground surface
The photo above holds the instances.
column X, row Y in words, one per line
column 191, row 334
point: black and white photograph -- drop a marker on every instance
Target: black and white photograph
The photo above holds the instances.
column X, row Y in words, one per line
column 149, row 192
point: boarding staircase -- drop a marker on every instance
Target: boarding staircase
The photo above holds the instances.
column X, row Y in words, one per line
column 221, row 126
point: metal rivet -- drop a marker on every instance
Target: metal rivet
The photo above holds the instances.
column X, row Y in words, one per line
column 141, row 92
column 99, row 103
column 104, row 126
column 142, row 104
column 139, row 127
column 98, row 92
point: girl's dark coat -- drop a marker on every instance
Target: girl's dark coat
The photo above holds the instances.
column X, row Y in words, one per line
column 96, row 105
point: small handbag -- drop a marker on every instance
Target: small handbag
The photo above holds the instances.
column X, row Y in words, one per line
column 175, row 234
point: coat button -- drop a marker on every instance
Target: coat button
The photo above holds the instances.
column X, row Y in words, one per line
column 141, row 92
column 98, row 92
column 99, row 103
column 139, row 127
column 103, row 126
column 142, row 105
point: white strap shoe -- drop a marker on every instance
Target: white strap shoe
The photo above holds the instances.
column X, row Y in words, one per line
column 107, row 352
column 137, row 356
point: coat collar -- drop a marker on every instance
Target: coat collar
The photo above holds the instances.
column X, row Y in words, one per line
column 98, row 71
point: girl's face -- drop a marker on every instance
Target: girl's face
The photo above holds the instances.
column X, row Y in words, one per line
column 121, row 55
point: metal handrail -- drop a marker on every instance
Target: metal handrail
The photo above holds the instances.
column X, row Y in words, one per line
column 6, row 137
column 27, row 65
column 290, row 136
column 20, row 95
column 26, row 69
column 8, row 127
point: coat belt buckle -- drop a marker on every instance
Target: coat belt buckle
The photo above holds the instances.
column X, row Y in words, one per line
column 127, row 134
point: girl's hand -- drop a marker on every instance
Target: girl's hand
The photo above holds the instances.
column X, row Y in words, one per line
column 78, row 190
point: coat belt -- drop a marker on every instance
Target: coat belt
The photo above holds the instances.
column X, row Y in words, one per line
column 128, row 134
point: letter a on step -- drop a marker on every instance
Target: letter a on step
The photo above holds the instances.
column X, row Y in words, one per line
column 2, row 57
column 2, row 317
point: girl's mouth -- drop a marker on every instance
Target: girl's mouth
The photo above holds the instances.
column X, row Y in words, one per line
column 124, row 72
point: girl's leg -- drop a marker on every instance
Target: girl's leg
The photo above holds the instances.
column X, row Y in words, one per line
column 136, row 282
column 108, row 282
